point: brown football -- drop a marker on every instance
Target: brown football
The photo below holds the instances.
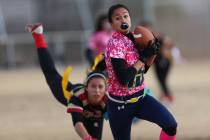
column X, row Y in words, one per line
column 142, row 36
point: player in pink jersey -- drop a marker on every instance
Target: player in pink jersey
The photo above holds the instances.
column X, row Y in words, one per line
column 99, row 38
column 126, row 67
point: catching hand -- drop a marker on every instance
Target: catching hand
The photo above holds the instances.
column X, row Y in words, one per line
column 152, row 49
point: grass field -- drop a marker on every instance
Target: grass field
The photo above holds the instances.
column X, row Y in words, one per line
column 28, row 111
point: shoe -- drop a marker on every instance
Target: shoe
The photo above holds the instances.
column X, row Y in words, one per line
column 167, row 97
column 35, row 28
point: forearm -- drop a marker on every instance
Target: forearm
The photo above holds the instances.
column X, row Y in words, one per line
column 148, row 54
column 150, row 60
column 123, row 73
column 138, row 65
column 81, row 130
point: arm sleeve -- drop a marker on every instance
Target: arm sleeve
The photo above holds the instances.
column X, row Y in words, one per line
column 53, row 78
column 124, row 75
column 75, row 105
column 149, row 62
column 146, row 68
column 77, row 117
column 101, row 65
column 115, row 47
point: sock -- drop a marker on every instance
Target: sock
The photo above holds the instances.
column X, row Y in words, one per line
column 39, row 40
column 164, row 136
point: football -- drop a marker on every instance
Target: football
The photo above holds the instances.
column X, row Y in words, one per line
column 142, row 36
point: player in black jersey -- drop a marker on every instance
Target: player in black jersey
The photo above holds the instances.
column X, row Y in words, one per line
column 85, row 102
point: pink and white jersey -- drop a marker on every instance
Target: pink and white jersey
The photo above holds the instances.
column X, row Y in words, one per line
column 120, row 46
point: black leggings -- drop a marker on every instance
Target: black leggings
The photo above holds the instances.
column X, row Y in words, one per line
column 89, row 56
column 162, row 68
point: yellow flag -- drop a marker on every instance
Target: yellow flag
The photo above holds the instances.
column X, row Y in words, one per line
column 65, row 80
column 98, row 58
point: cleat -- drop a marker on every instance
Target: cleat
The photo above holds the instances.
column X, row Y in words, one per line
column 35, row 28
column 167, row 98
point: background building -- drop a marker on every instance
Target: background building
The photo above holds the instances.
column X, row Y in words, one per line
column 68, row 24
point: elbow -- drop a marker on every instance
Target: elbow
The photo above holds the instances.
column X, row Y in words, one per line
column 122, row 81
column 123, row 78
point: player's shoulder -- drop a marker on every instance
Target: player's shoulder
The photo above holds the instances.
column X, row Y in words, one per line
column 117, row 40
column 79, row 95
column 78, row 90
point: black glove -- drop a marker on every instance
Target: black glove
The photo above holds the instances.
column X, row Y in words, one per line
column 152, row 49
column 155, row 46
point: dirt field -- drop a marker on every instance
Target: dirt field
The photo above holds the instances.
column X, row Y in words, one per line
column 28, row 111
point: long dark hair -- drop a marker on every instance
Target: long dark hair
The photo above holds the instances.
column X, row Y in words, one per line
column 95, row 74
column 99, row 22
column 114, row 7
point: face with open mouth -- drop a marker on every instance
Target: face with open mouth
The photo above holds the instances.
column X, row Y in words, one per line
column 121, row 21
